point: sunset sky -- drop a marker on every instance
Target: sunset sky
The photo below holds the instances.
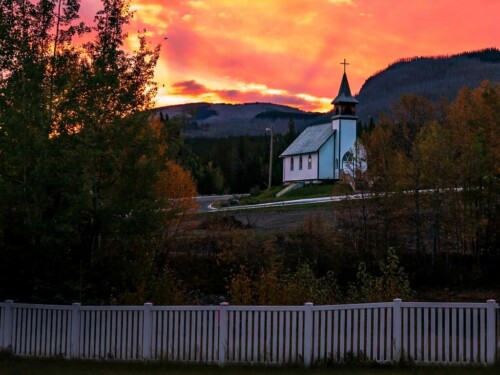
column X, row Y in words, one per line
column 289, row 51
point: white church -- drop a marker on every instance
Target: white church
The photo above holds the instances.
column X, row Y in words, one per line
column 326, row 151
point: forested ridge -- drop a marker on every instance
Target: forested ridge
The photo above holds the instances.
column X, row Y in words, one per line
column 433, row 77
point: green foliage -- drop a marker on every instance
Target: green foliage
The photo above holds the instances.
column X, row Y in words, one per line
column 80, row 156
column 308, row 191
column 234, row 164
column 392, row 282
column 291, row 133
column 273, row 287
column 165, row 288
column 240, row 288
column 304, row 286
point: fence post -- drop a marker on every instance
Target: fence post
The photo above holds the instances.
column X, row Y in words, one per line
column 308, row 333
column 7, row 325
column 222, row 333
column 75, row 331
column 146, row 334
column 490, row 331
column 396, row 329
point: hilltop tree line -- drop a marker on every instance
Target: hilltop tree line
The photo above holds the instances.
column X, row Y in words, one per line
column 486, row 55
column 234, row 164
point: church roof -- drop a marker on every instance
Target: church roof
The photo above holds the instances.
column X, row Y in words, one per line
column 344, row 95
column 310, row 140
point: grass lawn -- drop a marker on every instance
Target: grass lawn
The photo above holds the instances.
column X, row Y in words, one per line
column 14, row 366
column 309, row 191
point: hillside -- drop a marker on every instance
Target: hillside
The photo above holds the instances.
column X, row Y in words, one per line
column 435, row 78
column 220, row 120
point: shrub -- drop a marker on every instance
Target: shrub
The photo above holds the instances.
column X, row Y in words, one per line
column 392, row 283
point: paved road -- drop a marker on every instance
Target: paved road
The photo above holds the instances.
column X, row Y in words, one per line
column 206, row 200
column 297, row 202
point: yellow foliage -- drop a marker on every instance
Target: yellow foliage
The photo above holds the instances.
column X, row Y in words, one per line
column 177, row 190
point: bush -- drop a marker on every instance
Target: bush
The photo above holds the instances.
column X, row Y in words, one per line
column 294, row 288
column 392, row 283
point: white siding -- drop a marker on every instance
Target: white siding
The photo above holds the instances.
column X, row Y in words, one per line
column 297, row 174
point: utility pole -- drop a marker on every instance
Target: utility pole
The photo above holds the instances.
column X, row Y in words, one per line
column 271, row 129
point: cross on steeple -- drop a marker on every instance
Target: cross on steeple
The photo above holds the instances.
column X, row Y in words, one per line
column 344, row 63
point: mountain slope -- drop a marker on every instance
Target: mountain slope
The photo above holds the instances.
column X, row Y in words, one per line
column 435, row 78
column 220, row 120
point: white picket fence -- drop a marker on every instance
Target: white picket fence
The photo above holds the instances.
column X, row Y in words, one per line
column 441, row 333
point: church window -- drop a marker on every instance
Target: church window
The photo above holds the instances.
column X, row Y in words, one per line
column 291, row 163
column 309, row 162
column 300, row 162
column 348, row 157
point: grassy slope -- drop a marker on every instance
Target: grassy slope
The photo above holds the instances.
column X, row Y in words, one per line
column 311, row 191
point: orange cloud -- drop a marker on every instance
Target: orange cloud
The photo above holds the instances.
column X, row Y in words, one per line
column 293, row 47
column 245, row 94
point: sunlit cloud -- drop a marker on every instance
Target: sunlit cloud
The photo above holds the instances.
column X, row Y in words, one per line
column 308, row 18
column 152, row 15
column 198, row 4
column 341, row 2
column 289, row 51
column 243, row 93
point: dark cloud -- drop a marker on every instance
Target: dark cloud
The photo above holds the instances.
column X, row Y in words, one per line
column 189, row 88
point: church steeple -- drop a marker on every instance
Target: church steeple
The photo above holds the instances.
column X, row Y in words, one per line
column 344, row 103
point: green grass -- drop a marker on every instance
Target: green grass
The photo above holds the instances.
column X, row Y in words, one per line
column 13, row 366
column 309, row 191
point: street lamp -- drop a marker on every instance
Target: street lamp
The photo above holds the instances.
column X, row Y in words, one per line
column 270, row 157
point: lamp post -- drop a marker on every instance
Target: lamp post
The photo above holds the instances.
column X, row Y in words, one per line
column 270, row 157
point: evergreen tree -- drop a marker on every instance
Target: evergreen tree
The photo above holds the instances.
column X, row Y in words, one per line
column 80, row 158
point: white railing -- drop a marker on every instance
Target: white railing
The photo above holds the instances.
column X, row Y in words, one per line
column 443, row 333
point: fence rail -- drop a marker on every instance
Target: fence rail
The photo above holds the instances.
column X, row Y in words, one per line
column 443, row 333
